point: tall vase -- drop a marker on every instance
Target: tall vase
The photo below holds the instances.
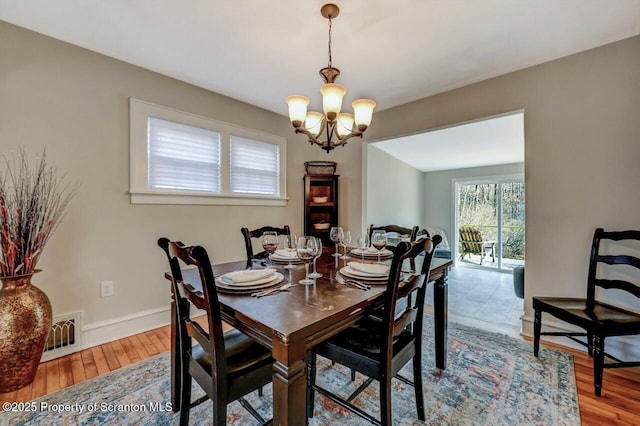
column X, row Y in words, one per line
column 25, row 321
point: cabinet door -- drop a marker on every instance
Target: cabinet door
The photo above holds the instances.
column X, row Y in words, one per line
column 321, row 205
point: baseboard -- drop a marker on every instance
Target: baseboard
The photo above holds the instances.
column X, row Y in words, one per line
column 101, row 332
column 626, row 348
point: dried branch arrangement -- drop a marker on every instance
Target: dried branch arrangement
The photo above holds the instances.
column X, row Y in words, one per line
column 32, row 202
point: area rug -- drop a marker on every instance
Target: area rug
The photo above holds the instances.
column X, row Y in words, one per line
column 490, row 379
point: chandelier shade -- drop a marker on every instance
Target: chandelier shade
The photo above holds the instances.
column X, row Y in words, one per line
column 338, row 126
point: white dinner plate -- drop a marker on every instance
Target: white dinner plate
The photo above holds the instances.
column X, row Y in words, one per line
column 384, row 253
column 228, row 282
column 348, row 272
column 279, row 259
column 234, row 288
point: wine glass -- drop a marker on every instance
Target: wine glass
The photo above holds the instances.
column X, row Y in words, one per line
column 290, row 245
column 318, row 253
column 363, row 244
column 346, row 240
column 306, row 252
column 336, row 236
column 270, row 244
column 379, row 241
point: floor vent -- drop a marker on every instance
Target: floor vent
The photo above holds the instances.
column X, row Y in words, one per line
column 64, row 336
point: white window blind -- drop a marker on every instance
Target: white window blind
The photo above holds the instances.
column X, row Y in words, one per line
column 183, row 157
column 255, row 166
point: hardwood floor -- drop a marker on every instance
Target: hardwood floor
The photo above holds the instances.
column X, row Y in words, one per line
column 618, row 405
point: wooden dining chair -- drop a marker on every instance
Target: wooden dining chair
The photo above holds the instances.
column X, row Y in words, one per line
column 380, row 345
column 599, row 320
column 411, row 232
column 257, row 233
column 226, row 366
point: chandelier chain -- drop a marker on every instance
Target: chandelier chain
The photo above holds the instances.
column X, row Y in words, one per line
column 330, row 58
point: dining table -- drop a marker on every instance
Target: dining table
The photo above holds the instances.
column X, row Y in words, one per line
column 290, row 322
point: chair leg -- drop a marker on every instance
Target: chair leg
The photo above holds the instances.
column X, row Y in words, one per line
column 590, row 343
column 598, row 363
column 417, row 384
column 385, row 401
column 185, row 398
column 537, row 326
column 311, row 381
column 219, row 413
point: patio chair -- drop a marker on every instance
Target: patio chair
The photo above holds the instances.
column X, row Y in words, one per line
column 471, row 242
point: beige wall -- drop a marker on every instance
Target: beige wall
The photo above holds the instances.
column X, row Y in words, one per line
column 582, row 151
column 395, row 193
column 75, row 103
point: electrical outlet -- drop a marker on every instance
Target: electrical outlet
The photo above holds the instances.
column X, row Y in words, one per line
column 106, row 288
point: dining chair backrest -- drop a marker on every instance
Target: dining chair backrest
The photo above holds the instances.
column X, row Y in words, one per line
column 411, row 232
column 257, row 233
column 213, row 341
column 600, row 258
column 412, row 308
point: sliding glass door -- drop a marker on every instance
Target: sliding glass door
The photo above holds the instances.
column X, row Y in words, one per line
column 490, row 223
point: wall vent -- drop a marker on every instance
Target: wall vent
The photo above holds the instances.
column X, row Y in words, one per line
column 64, row 336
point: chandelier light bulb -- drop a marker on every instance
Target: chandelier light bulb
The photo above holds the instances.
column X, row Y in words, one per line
column 363, row 112
column 313, row 122
column 297, row 109
column 345, row 124
column 332, row 95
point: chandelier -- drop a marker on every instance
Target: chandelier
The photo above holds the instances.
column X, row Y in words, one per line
column 337, row 126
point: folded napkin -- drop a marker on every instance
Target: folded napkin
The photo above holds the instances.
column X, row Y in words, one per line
column 370, row 268
column 286, row 254
column 248, row 275
column 371, row 250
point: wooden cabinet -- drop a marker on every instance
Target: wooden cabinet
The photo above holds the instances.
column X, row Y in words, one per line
column 320, row 205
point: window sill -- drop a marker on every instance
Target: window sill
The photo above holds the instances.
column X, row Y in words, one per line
column 207, row 199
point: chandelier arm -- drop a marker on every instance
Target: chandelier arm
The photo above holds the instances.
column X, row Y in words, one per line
column 312, row 138
column 331, row 126
column 343, row 140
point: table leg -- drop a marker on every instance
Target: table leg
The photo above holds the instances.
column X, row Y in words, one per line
column 440, row 308
column 289, row 384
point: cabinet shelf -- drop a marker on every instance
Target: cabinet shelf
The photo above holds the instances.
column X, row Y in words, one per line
column 331, row 205
column 320, row 186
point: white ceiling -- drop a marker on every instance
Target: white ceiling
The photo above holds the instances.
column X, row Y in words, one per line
column 261, row 51
column 498, row 140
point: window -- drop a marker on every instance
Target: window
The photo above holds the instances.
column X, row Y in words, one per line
column 255, row 166
column 182, row 158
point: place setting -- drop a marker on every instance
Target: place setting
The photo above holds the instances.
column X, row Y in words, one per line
column 248, row 281
column 371, row 253
column 377, row 248
column 363, row 275
column 287, row 255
